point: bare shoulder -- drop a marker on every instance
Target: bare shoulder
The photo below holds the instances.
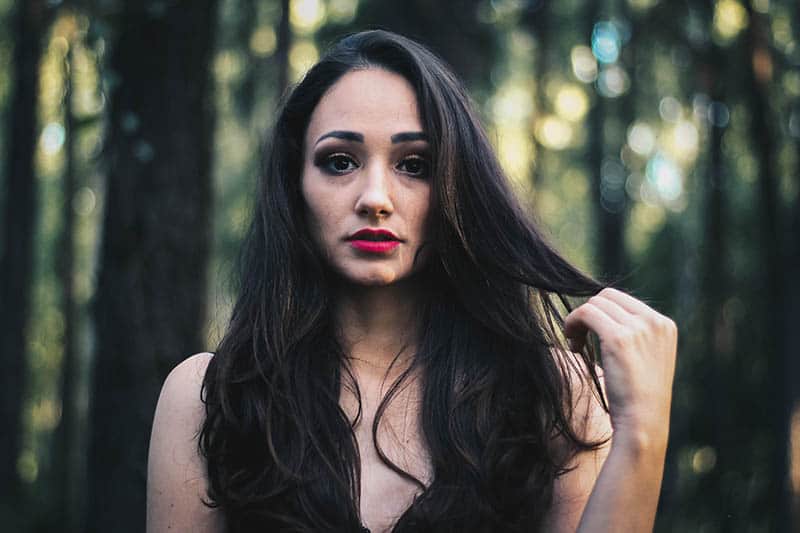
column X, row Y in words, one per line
column 188, row 374
column 176, row 478
column 591, row 422
column 590, row 419
column 180, row 403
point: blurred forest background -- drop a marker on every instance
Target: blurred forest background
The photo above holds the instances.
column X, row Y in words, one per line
column 658, row 142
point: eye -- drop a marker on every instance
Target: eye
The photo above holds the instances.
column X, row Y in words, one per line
column 414, row 166
column 337, row 163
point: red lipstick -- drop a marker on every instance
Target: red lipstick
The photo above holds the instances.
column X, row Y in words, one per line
column 376, row 241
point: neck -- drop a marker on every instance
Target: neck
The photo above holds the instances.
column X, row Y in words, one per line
column 377, row 323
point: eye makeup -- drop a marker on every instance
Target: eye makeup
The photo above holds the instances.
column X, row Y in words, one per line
column 332, row 162
column 416, row 166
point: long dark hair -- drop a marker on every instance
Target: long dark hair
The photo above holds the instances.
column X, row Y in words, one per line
column 281, row 453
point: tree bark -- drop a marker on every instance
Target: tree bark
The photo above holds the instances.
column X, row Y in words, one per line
column 792, row 317
column 608, row 227
column 715, row 282
column 283, row 46
column 150, row 302
column 537, row 19
column 16, row 259
column 759, row 74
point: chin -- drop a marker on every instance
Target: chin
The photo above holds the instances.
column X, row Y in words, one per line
column 375, row 280
column 371, row 277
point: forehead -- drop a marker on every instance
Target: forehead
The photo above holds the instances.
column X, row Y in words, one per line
column 374, row 102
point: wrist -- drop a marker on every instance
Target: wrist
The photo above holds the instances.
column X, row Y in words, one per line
column 640, row 441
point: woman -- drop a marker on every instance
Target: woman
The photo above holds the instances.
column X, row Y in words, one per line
column 397, row 359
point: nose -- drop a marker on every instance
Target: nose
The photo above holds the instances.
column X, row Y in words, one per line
column 375, row 196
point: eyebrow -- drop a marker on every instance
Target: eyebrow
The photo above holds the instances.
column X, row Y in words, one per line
column 408, row 136
column 404, row 136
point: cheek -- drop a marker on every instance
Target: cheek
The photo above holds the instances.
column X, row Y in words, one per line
column 423, row 215
column 311, row 199
column 320, row 216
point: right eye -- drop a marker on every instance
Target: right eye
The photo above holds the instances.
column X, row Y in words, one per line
column 336, row 163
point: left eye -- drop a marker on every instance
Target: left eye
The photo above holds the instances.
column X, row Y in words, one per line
column 415, row 166
column 338, row 164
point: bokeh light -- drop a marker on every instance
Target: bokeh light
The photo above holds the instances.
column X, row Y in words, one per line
column 641, row 138
column 791, row 83
column 685, row 139
column 730, row 18
column 670, row 109
column 606, row 42
column 664, row 183
column 718, row 114
column 584, row 64
column 342, row 11
column 612, row 185
column 53, row 137
column 228, row 66
column 704, row 459
column 515, row 149
column 554, row 132
column 512, row 103
column 571, row 102
column 84, row 201
column 306, row 16
column 302, row 56
column 613, row 81
column 263, row 41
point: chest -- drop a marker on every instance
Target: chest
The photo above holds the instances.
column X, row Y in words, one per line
column 386, row 494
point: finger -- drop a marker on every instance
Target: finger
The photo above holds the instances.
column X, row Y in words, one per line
column 614, row 310
column 627, row 302
column 585, row 318
column 639, row 309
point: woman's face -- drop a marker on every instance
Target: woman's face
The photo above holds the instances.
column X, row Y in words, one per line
column 366, row 177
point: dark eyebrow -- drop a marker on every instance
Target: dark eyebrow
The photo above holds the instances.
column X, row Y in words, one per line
column 346, row 135
column 409, row 136
column 405, row 136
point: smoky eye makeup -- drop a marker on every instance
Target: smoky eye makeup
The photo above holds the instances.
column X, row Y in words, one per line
column 414, row 165
column 334, row 162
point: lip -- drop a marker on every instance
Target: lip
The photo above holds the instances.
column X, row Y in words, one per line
column 360, row 241
column 370, row 232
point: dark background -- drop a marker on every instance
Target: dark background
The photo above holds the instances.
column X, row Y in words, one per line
column 656, row 142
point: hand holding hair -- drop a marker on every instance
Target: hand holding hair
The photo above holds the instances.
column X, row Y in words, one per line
column 638, row 348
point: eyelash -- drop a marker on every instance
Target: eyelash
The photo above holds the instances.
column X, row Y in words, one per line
column 325, row 162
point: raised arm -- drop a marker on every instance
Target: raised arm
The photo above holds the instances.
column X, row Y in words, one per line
column 616, row 488
column 176, row 479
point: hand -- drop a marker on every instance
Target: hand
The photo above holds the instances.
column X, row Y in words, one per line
column 638, row 347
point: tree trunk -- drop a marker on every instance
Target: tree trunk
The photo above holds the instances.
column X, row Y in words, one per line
column 790, row 321
column 608, row 237
column 536, row 18
column 283, row 45
column 245, row 95
column 150, row 302
column 759, row 74
column 16, row 259
column 715, row 284
column 792, row 317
